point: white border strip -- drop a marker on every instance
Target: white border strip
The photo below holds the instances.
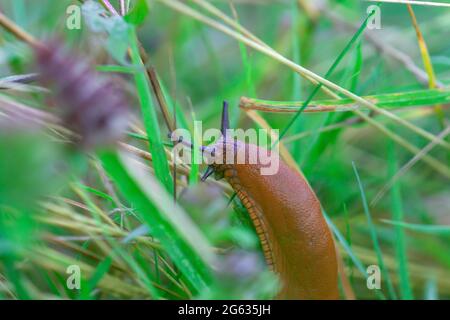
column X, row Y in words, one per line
column 421, row 3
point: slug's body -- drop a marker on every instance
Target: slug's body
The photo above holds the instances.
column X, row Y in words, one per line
column 286, row 214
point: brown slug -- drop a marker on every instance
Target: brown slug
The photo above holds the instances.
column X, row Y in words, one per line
column 287, row 216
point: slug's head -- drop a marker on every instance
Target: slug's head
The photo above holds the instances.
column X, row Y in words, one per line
column 240, row 157
column 224, row 152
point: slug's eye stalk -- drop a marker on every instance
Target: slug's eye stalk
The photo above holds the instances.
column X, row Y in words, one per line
column 225, row 125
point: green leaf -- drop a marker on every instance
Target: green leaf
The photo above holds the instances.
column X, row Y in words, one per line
column 138, row 13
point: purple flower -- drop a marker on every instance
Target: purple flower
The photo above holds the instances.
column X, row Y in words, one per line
column 92, row 106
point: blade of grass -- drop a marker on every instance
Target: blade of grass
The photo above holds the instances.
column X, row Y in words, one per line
column 400, row 238
column 348, row 237
column 156, row 86
column 320, row 141
column 17, row 31
column 167, row 105
column 397, row 100
column 173, row 104
column 429, row 229
column 96, row 192
column 196, row 154
column 296, row 80
column 246, row 62
column 151, row 124
column 357, row 67
column 117, row 69
column 373, row 234
column 427, row 64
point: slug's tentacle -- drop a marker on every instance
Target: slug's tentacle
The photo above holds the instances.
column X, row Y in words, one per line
column 209, row 171
column 225, row 120
column 225, row 125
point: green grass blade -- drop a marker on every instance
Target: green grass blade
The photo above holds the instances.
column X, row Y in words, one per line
column 173, row 105
column 373, row 234
column 357, row 68
column 297, row 79
column 150, row 119
column 195, row 156
column 320, row 141
column 423, row 228
column 117, row 69
column 400, row 238
column 96, row 192
column 427, row 97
